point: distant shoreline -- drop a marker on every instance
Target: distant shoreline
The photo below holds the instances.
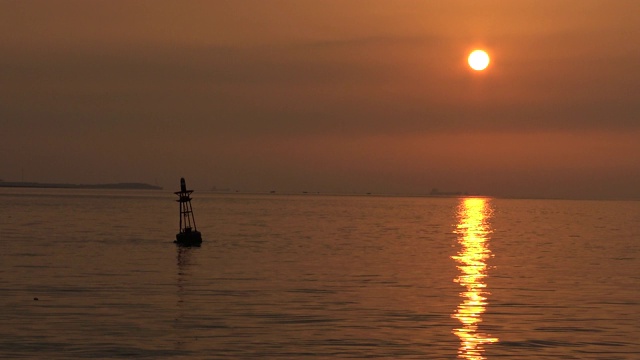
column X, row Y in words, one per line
column 129, row 186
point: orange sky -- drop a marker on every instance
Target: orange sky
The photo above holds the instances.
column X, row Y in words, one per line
column 329, row 96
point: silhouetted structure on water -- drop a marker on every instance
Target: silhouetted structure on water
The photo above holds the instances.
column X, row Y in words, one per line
column 189, row 234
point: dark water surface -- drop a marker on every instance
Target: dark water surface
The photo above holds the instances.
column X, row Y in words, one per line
column 295, row 277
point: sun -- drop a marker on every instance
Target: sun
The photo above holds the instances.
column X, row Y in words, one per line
column 478, row 60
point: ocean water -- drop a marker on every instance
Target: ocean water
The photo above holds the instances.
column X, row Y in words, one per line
column 94, row 274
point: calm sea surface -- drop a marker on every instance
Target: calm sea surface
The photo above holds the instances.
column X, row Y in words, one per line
column 296, row 277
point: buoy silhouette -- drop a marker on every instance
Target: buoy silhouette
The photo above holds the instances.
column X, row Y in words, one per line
column 189, row 234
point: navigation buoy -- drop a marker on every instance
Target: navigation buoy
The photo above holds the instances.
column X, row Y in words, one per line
column 189, row 234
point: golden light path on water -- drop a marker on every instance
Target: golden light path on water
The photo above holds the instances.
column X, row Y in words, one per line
column 473, row 236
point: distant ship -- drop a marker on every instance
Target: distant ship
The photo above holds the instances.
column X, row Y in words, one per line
column 189, row 234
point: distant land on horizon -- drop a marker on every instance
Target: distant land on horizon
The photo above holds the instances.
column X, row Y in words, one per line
column 132, row 186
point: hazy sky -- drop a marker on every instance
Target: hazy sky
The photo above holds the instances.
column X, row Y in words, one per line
column 329, row 96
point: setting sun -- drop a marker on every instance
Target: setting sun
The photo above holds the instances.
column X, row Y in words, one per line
column 478, row 60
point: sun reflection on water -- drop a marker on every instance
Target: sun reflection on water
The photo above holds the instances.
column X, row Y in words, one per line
column 473, row 236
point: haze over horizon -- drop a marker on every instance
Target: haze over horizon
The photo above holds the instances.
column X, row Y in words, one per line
column 328, row 96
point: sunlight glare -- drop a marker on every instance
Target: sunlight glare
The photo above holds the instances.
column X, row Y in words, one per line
column 473, row 234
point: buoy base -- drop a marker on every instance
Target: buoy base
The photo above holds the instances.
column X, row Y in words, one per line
column 190, row 238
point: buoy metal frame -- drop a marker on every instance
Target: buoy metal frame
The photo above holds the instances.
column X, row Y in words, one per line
column 188, row 234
